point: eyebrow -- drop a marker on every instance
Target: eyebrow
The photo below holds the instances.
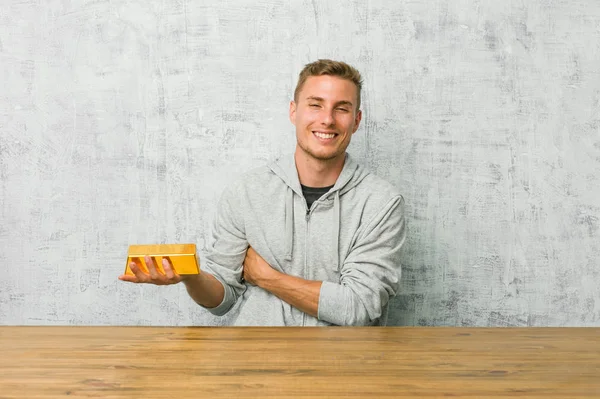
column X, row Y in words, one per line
column 320, row 99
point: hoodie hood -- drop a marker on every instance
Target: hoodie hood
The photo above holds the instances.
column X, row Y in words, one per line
column 285, row 168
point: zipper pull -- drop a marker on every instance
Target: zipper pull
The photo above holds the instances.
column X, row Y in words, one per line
column 307, row 215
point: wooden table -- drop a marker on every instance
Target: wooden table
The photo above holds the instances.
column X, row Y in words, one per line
column 202, row 362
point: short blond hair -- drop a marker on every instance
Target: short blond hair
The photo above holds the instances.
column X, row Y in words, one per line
column 332, row 68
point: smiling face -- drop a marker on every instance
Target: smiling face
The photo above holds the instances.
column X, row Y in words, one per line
column 326, row 116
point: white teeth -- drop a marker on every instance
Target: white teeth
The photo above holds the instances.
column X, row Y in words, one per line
column 324, row 135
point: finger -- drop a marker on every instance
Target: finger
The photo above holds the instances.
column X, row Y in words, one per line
column 170, row 273
column 128, row 278
column 141, row 276
column 151, row 266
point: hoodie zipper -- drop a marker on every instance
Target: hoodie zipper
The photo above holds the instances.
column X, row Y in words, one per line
column 307, row 217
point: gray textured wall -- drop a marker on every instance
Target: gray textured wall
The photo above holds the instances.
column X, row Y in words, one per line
column 122, row 121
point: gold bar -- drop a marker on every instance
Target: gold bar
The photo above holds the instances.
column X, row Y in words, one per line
column 182, row 256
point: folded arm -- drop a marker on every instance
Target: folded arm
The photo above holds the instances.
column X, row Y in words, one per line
column 369, row 277
column 300, row 293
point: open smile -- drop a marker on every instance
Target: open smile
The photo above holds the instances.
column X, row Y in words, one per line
column 324, row 135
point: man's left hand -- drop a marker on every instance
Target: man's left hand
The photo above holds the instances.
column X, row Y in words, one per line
column 300, row 293
column 256, row 268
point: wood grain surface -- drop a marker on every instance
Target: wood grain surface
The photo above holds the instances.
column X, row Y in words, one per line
column 203, row 362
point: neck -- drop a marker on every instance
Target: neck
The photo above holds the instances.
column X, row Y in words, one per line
column 318, row 173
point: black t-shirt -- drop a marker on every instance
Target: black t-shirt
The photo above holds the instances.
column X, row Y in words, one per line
column 313, row 193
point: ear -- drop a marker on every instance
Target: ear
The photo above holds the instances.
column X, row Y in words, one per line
column 357, row 120
column 293, row 112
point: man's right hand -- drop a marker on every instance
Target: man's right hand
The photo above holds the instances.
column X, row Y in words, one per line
column 154, row 276
column 204, row 288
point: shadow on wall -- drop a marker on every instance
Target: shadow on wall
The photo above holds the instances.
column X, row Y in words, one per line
column 402, row 310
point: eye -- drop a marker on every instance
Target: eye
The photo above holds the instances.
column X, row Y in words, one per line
column 342, row 109
column 313, row 105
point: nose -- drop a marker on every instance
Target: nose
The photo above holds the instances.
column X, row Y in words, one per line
column 327, row 118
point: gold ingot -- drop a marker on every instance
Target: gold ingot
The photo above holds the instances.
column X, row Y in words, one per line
column 182, row 256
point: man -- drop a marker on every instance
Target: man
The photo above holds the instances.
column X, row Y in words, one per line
column 312, row 239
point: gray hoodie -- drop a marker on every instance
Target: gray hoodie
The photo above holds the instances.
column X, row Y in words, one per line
column 350, row 239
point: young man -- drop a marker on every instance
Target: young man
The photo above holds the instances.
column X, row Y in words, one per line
column 312, row 239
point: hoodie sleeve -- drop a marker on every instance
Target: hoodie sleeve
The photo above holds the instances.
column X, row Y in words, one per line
column 225, row 250
column 370, row 275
